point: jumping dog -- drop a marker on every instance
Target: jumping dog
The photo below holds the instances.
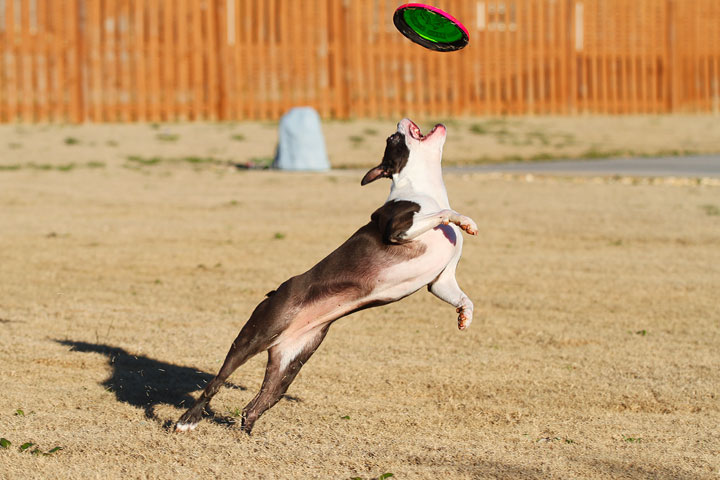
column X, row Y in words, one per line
column 413, row 240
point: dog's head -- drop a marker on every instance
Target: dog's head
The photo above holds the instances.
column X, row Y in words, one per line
column 409, row 151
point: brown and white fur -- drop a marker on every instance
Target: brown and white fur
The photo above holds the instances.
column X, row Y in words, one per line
column 413, row 240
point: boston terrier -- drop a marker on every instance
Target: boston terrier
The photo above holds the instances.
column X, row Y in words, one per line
column 413, row 240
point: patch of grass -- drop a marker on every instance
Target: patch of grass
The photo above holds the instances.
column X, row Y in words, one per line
column 14, row 146
column 71, row 141
column 167, row 137
column 238, row 137
column 712, row 210
column 191, row 159
column 64, row 167
column 595, row 153
column 566, row 139
column 642, row 333
column 541, row 137
column 144, row 160
column 5, row 444
column 261, row 162
column 356, row 140
column 493, row 125
column 632, row 439
column 555, row 439
column 19, row 413
column 345, row 417
column 370, row 131
column 236, row 412
column 201, row 160
column 111, row 143
column 41, row 166
column 616, row 243
column 381, row 477
column 25, row 446
column 479, row 129
column 279, row 236
column 448, row 122
column 543, row 157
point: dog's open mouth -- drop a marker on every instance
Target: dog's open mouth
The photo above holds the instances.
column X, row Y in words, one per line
column 415, row 132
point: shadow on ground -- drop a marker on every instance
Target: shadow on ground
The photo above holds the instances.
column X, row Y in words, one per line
column 144, row 382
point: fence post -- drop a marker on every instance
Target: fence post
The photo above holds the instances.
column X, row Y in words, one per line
column 77, row 103
column 674, row 66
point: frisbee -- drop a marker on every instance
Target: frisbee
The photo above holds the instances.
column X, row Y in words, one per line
column 430, row 27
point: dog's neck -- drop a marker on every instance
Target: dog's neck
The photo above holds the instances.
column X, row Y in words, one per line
column 420, row 180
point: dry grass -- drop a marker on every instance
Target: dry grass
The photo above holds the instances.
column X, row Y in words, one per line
column 594, row 352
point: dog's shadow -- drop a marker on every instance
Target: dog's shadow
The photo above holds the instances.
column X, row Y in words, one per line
column 145, row 383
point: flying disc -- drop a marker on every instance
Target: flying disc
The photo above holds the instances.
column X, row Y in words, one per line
column 430, row 27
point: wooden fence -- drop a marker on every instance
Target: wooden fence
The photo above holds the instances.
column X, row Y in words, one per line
column 167, row 60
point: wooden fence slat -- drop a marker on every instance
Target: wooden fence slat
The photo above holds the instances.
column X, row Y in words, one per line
column 95, row 64
column 124, row 59
column 168, row 53
column 4, row 54
column 154, row 60
column 183, row 59
column 42, row 57
column 27, row 54
column 61, row 87
column 237, row 55
column 715, row 52
column 139, row 60
column 74, row 67
column 12, row 62
column 484, row 59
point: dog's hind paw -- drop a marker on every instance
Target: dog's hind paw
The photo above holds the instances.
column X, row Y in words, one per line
column 464, row 318
column 181, row 427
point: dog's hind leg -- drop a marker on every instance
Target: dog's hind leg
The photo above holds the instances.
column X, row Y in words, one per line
column 446, row 288
column 284, row 362
column 257, row 335
column 240, row 351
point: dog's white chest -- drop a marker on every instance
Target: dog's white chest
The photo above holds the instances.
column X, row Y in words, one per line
column 404, row 278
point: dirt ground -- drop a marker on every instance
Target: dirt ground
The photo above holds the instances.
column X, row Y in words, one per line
column 354, row 144
column 594, row 352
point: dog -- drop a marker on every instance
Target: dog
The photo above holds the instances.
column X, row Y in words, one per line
column 413, row 240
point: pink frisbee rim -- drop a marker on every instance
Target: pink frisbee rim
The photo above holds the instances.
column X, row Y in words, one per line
column 438, row 11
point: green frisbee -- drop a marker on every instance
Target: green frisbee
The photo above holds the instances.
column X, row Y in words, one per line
column 430, row 27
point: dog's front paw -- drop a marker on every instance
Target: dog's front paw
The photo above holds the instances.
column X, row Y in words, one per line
column 465, row 317
column 466, row 223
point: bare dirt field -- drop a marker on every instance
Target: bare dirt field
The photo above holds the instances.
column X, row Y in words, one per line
column 594, row 353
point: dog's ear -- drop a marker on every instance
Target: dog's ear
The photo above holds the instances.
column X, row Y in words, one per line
column 373, row 174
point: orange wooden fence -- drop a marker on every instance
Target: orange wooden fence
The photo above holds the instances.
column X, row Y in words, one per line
column 167, row 60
